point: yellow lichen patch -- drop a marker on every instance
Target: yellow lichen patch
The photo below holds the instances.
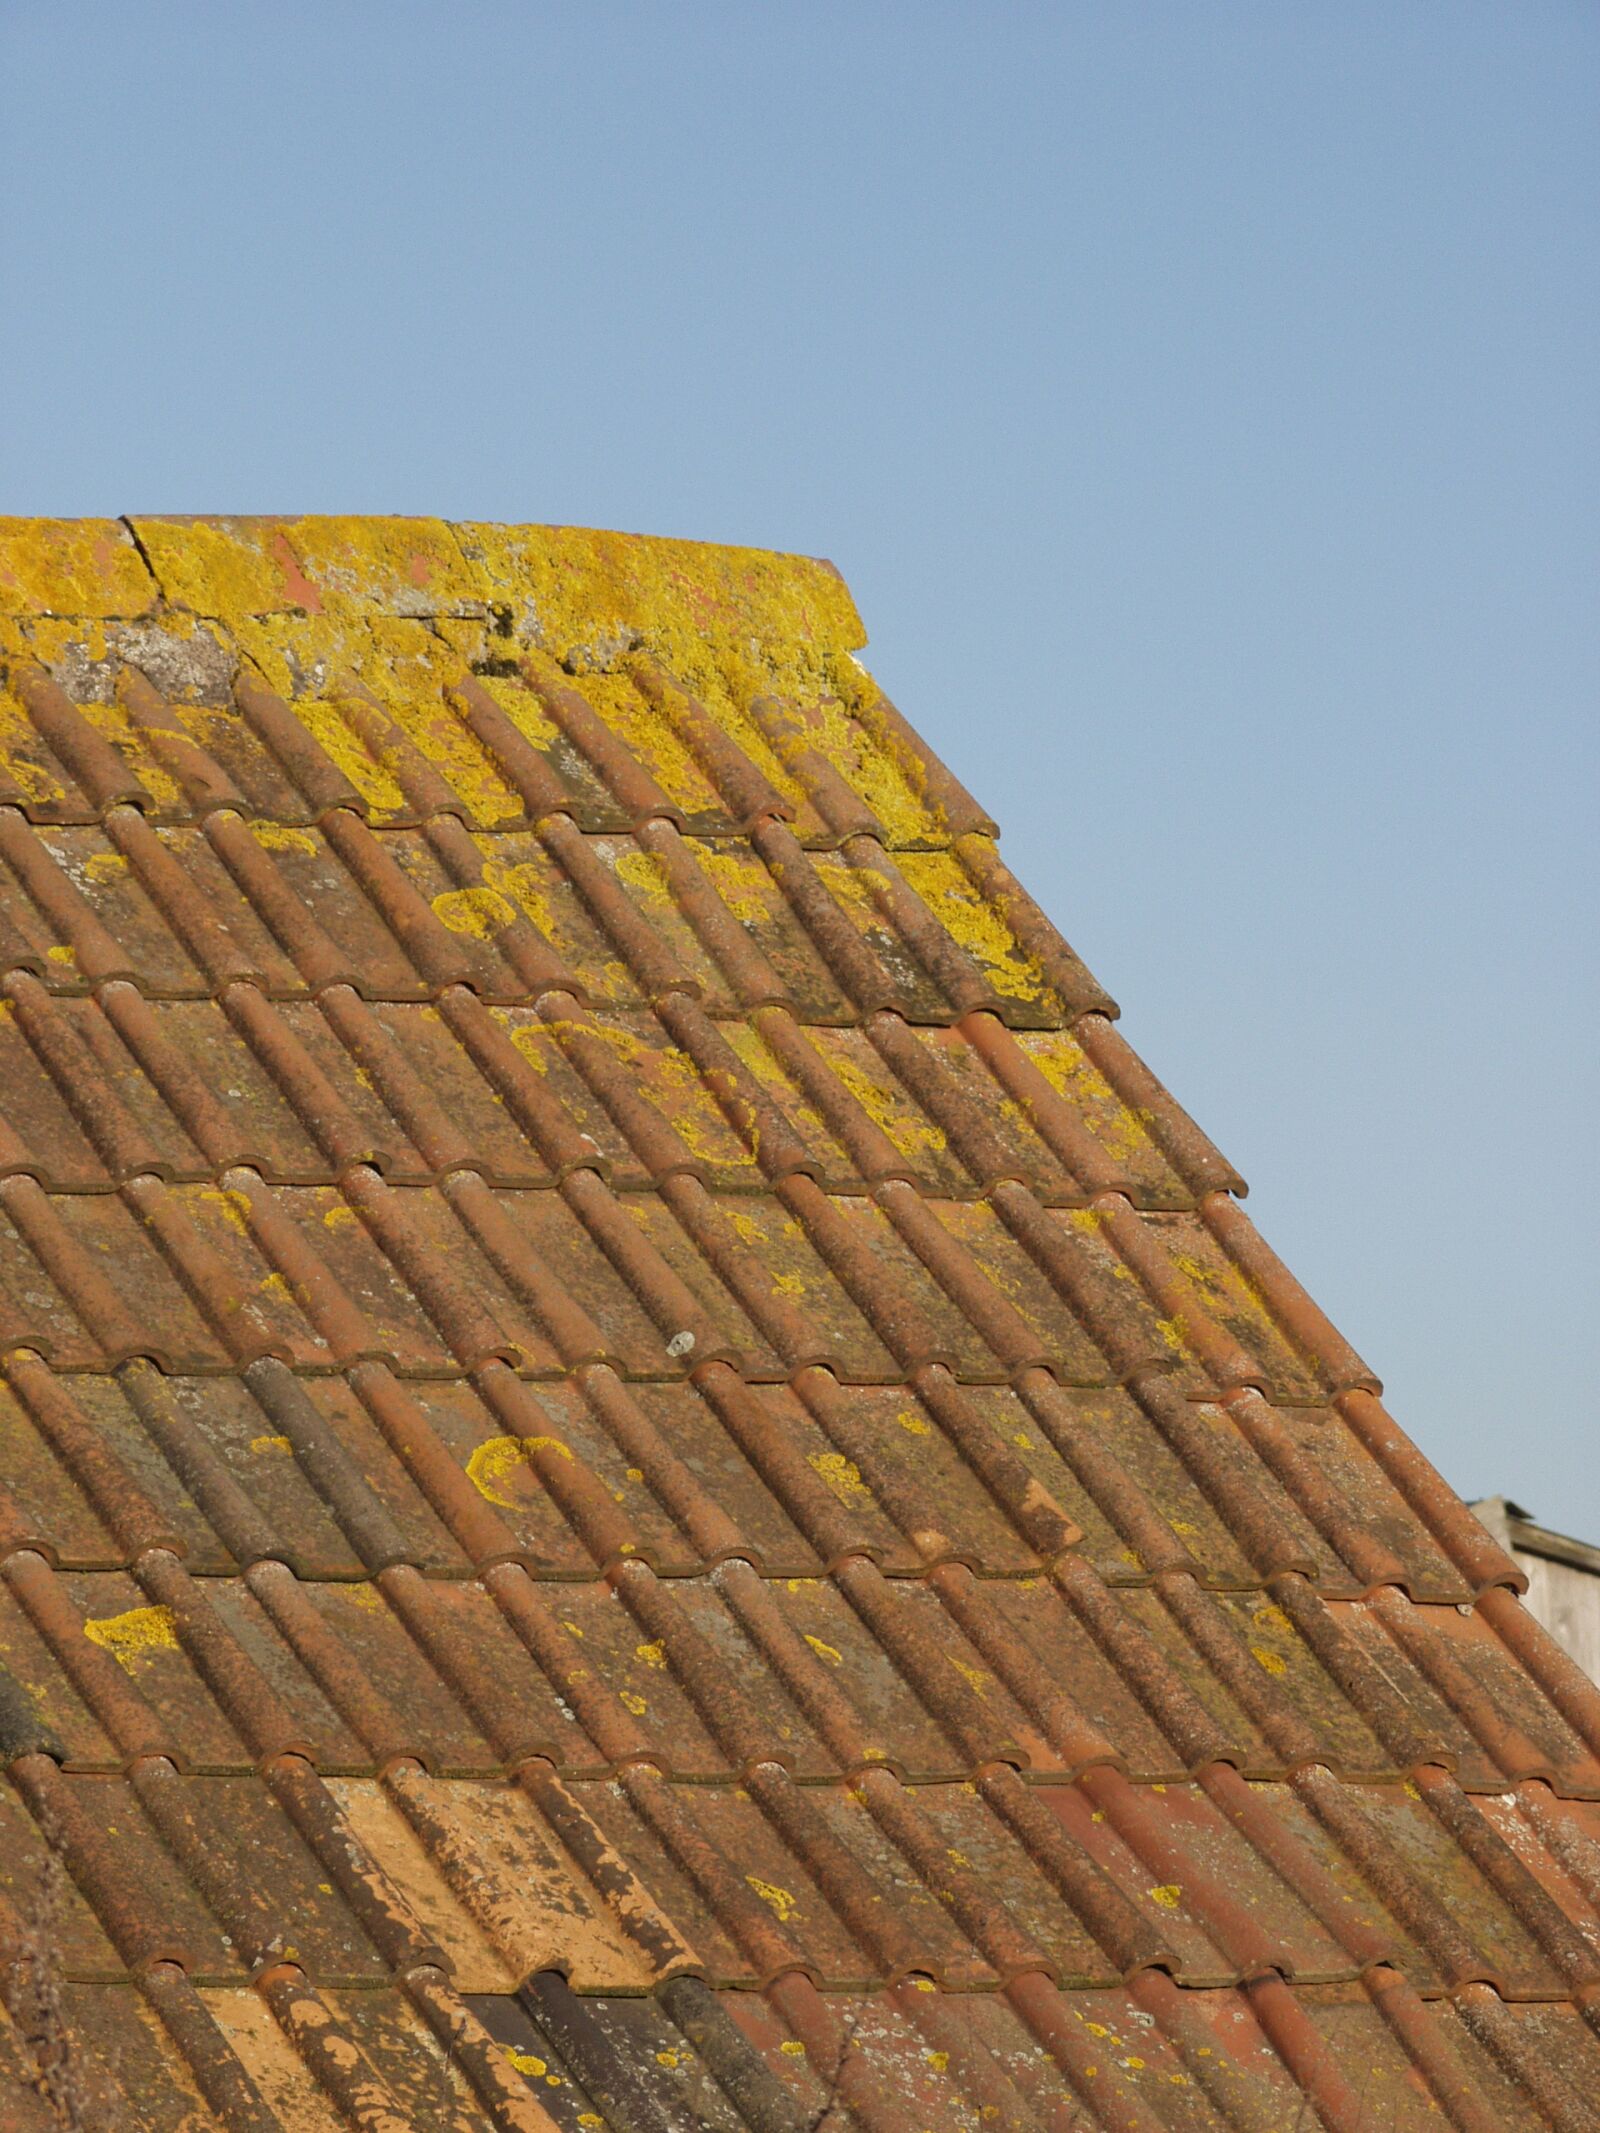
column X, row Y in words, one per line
column 688, row 597
column 531, row 1041
column 271, row 1444
column 788, row 1285
column 917, row 1425
column 480, row 912
column 627, row 1044
column 842, row 1475
column 1168, row 1895
column 110, row 720
column 907, row 1128
column 695, row 1117
column 974, row 1676
column 829, row 1652
column 377, row 786
column 791, row 2049
column 339, row 1218
column 135, row 1635
column 778, row 1900
column 739, row 878
column 497, row 1457
column 226, row 567
column 400, row 566
column 653, row 737
column 939, row 2061
column 409, row 676
column 849, row 885
column 1230, row 1292
column 62, row 952
column 275, row 1284
column 101, row 867
column 1066, row 1067
column 853, row 735
column 974, row 924
column 234, row 1208
column 1268, row 1660
column 521, row 706
column 753, row 1054
column 30, row 778
column 631, row 1702
column 527, row 889
column 283, row 837
column 56, row 566
column 528, row 2063
column 646, row 875
column 652, row 1654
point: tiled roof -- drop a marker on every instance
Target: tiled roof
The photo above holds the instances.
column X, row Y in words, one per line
column 648, row 1481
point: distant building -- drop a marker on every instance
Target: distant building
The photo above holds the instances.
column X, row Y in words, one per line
column 1563, row 1577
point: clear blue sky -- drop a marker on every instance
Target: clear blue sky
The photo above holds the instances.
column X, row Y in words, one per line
column 1200, row 399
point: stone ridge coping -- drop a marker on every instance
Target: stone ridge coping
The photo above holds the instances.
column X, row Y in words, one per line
column 568, row 587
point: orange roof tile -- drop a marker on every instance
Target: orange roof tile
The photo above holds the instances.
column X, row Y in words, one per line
column 648, row 1481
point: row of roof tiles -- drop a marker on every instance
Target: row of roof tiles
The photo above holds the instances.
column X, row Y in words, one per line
column 403, row 914
column 205, row 1277
column 973, row 1886
column 571, row 1476
column 494, row 734
column 930, row 1676
column 106, row 1087
column 797, row 2060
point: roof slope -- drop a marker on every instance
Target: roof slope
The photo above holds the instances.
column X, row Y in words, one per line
column 647, row 1480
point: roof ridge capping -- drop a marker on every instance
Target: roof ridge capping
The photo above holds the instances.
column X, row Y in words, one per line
column 574, row 590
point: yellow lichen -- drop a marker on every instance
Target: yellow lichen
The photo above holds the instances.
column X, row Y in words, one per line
column 778, row 1900
column 739, row 878
column 234, row 1207
column 973, row 923
column 480, row 912
column 498, row 1457
column 134, row 1636
column 528, row 889
column 71, row 567
column 646, row 874
column 910, row 1132
column 283, row 837
column 376, row 785
column 842, row 1475
column 974, row 1676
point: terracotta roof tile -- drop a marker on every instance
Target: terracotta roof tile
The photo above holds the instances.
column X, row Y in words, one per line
column 646, row 1480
